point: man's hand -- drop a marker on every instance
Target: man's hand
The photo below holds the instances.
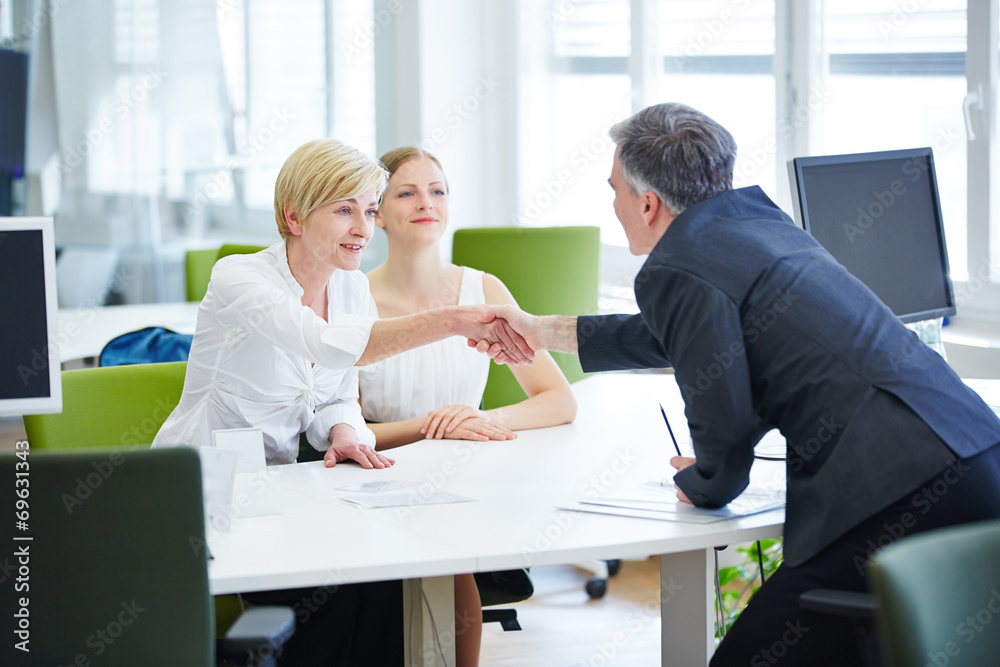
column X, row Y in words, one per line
column 549, row 332
column 681, row 462
column 463, row 422
column 344, row 446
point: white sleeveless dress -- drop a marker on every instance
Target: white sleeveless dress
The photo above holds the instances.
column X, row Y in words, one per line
column 417, row 381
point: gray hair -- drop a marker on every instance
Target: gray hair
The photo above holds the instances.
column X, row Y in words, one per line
column 677, row 153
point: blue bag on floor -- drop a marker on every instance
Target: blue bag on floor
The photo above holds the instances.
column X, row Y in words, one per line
column 146, row 346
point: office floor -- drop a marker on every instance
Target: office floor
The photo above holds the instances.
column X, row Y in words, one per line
column 562, row 626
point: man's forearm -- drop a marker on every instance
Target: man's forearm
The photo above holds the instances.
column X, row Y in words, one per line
column 556, row 333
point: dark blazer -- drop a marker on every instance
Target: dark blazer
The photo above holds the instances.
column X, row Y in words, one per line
column 766, row 330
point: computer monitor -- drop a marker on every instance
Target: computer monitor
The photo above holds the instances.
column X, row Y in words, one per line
column 13, row 123
column 879, row 215
column 30, row 379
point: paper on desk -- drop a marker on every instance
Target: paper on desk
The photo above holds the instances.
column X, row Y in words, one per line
column 376, row 487
column 659, row 501
column 404, row 499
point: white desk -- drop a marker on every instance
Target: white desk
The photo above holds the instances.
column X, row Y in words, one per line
column 988, row 389
column 83, row 332
column 617, row 442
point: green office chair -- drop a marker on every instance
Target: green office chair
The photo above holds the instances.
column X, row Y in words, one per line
column 549, row 270
column 198, row 266
column 109, row 406
column 937, row 594
column 197, row 271
column 109, row 571
column 119, row 406
column 228, row 249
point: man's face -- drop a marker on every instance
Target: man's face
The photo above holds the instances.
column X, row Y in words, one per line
column 629, row 207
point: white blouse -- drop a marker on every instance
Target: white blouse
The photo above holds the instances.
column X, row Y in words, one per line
column 253, row 354
column 417, row 381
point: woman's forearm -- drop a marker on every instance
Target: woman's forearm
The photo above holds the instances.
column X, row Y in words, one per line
column 396, row 434
column 391, row 336
column 546, row 408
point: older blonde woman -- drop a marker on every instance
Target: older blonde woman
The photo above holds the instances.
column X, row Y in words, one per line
column 278, row 339
column 280, row 332
column 436, row 391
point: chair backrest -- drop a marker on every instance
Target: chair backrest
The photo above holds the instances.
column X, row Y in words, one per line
column 111, row 406
column 937, row 594
column 198, row 265
column 549, row 270
column 197, row 271
column 228, row 249
column 116, row 568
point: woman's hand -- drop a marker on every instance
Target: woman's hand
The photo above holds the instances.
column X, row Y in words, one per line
column 344, row 446
column 681, row 462
column 463, row 422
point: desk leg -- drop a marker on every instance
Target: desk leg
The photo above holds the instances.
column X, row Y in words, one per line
column 687, row 613
column 429, row 621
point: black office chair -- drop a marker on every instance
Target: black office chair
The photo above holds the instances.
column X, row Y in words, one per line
column 503, row 588
column 854, row 607
column 106, row 564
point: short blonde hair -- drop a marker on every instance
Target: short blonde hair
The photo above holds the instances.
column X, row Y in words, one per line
column 324, row 171
column 395, row 159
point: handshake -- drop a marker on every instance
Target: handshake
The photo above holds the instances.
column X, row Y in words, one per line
column 510, row 336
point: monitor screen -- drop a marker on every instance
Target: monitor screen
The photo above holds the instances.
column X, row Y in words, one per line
column 879, row 215
column 30, row 379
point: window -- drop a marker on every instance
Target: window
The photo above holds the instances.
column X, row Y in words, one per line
column 175, row 117
column 576, row 86
column 6, row 24
column 718, row 57
column 706, row 54
column 294, row 71
column 866, row 75
column 896, row 79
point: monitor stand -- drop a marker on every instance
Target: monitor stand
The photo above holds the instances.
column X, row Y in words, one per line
column 929, row 331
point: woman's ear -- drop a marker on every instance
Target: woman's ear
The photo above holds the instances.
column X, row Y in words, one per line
column 292, row 218
column 379, row 222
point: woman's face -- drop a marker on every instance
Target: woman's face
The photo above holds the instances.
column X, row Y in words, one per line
column 415, row 202
column 336, row 234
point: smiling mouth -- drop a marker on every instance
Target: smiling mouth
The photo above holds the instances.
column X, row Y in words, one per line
column 352, row 247
column 424, row 220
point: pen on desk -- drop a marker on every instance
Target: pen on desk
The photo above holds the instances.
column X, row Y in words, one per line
column 670, row 430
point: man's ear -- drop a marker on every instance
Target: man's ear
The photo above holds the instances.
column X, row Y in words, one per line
column 292, row 218
column 650, row 208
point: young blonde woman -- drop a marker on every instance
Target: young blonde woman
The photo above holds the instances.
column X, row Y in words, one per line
column 435, row 391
